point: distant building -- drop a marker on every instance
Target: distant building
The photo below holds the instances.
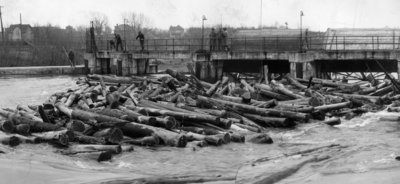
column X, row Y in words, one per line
column 19, row 32
column 176, row 31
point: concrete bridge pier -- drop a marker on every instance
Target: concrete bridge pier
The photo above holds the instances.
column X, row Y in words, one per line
column 207, row 69
column 302, row 65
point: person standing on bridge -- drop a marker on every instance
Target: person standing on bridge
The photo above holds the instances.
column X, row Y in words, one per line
column 119, row 42
column 213, row 39
column 141, row 39
column 224, row 40
column 219, row 39
column 71, row 57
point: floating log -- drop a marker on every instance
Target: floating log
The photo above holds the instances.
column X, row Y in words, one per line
column 294, row 82
column 99, row 156
column 333, row 106
column 281, row 89
column 111, row 135
column 85, row 139
column 273, row 95
column 152, row 140
column 261, row 111
column 271, row 121
column 61, row 137
column 9, row 140
column 332, row 121
column 183, row 116
column 87, row 148
column 213, row 88
column 259, row 138
column 23, row 129
column 7, row 126
column 136, row 130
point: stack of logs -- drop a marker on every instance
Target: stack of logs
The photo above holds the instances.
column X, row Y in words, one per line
column 106, row 115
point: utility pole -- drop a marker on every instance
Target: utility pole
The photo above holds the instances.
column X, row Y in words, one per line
column 301, row 31
column 261, row 15
column 2, row 28
column 124, row 35
column 202, row 32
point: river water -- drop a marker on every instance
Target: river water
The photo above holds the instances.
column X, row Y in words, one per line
column 368, row 157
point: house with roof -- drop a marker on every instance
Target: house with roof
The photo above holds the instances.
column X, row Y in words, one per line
column 19, row 32
column 176, row 31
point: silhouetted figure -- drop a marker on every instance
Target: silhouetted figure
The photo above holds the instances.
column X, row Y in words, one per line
column 219, row 39
column 224, row 43
column 213, row 40
column 93, row 47
column 141, row 39
column 119, row 42
column 112, row 44
column 71, row 57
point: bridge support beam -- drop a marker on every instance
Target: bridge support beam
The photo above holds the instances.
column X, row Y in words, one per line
column 302, row 65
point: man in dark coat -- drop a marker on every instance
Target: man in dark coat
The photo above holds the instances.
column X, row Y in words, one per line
column 119, row 42
column 141, row 39
column 71, row 57
column 213, row 40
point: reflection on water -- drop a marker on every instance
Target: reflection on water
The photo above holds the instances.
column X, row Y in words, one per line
column 372, row 147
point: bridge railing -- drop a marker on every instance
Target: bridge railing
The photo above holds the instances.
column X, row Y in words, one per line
column 261, row 44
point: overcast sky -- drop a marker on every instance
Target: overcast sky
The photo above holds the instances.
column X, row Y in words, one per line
column 318, row 14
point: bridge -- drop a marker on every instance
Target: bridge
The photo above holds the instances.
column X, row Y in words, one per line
column 308, row 55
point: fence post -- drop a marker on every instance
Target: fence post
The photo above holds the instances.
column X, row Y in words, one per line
column 377, row 43
column 173, row 45
column 263, row 44
column 245, row 45
column 373, row 46
column 155, row 47
column 344, row 42
column 336, row 43
column 189, row 46
column 276, row 43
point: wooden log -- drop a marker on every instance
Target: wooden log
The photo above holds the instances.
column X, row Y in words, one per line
column 382, row 91
column 43, row 114
column 87, row 148
column 246, row 98
column 71, row 99
column 271, row 121
column 85, row 115
column 248, row 127
column 331, row 83
column 214, row 112
column 170, row 138
column 26, row 139
column 23, row 129
column 295, row 108
column 247, row 86
column 99, row 156
column 75, row 125
column 332, row 121
column 333, row 106
column 273, row 95
column 61, row 137
column 9, row 140
column 151, row 140
column 85, row 139
column 7, row 126
column 261, row 111
column 259, row 138
column 294, row 82
column 281, row 89
column 372, row 99
column 111, row 135
column 35, row 126
column 180, row 116
column 213, row 88
column 235, row 137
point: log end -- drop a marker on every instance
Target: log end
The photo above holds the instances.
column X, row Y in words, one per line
column 104, row 156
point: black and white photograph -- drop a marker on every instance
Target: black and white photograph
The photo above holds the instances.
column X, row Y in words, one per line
column 200, row 91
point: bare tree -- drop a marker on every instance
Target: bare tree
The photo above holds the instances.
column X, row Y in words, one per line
column 136, row 21
column 100, row 22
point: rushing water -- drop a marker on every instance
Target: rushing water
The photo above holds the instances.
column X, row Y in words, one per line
column 369, row 157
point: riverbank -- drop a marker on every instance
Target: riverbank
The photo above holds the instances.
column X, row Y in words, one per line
column 43, row 70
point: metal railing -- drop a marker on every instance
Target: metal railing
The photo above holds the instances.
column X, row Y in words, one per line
column 262, row 44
